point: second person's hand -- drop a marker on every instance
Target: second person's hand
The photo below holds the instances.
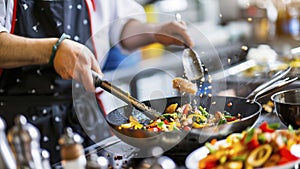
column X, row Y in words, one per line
column 173, row 33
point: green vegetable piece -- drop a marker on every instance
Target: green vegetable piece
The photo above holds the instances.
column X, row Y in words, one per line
column 239, row 157
column 290, row 128
column 222, row 121
column 160, row 124
column 210, row 147
column 203, row 111
column 262, row 139
column 228, row 116
column 198, row 120
column 249, row 135
column 175, row 128
column 274, row 126
column 223, row 159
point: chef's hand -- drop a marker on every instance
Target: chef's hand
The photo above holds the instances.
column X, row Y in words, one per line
column 173, row 33
column 75, row 61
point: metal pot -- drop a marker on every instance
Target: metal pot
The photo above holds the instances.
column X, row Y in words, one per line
column 287, row 107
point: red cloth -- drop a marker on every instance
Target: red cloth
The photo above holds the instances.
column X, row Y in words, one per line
column 100, row 101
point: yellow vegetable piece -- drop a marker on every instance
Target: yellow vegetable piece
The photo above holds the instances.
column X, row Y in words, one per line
column 172, row 108
column 126, row 126
column 203, row 118
column 234, row 165
column 132, row 119
column 197, row 126
column 259, row 155
column 223, row 159
column 234, row 138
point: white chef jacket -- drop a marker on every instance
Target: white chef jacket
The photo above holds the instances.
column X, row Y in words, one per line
column 107, row 18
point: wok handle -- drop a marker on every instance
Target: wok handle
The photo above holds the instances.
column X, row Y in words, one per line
column 124, row 96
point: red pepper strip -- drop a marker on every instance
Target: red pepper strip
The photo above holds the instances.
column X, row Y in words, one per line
column 154, row 129
column 265, row 128
column 211, row 165
column 251, row 139
column 253, row 143
column 209, row 162
column 229, row 119
column 186, row 109
column 286, row 156
column 186, row 128
column 166, row 122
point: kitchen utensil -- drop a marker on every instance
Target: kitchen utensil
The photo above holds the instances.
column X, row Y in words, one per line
column 278, row 84
column 287, row 106
column 233, row 70
column 192, row 64
column 145, row 113
column 277, row 76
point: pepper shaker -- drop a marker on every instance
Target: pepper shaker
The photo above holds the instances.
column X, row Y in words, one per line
column 7, row 159
column 24, row 139
column 45, row 159
column 72, row 152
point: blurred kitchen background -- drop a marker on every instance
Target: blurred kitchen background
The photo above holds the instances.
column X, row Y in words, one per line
column 224, row 31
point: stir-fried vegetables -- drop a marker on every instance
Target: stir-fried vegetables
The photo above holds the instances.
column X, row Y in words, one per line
column 182, row 118
column 257, row 147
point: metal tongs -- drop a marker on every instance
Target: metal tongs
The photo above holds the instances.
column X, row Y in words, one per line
column 146, row 112
column 276, row 82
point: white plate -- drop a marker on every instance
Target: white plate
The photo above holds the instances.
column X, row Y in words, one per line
column 192, row 159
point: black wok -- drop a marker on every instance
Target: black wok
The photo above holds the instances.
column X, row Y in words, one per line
column 144, row 139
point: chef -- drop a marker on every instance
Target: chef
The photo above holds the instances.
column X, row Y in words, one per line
column 47, row 45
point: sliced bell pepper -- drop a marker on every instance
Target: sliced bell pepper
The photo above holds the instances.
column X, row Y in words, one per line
column 286, row 155
column 186, row 128
column 230, row 118
column 254, row 143
column 265, row 128
column 166, row 122
column 171, row 108
column 186, row 110
column 203, row 111
column 251, row 139
column 210, row 147
column 155, row 129
column 208, row 162
column 270, row 128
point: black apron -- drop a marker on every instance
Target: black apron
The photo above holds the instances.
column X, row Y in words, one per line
column 38, row 92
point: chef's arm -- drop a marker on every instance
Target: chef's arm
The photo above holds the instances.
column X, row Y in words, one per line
column 16, row 51
column 136, row 34
column 72, row 59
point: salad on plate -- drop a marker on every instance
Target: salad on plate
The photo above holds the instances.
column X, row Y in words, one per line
column 262, row 147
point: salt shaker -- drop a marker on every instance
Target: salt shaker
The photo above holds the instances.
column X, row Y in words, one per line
column 7, row 159
column 45, row 159
column 72, row 152
column 24, row 139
